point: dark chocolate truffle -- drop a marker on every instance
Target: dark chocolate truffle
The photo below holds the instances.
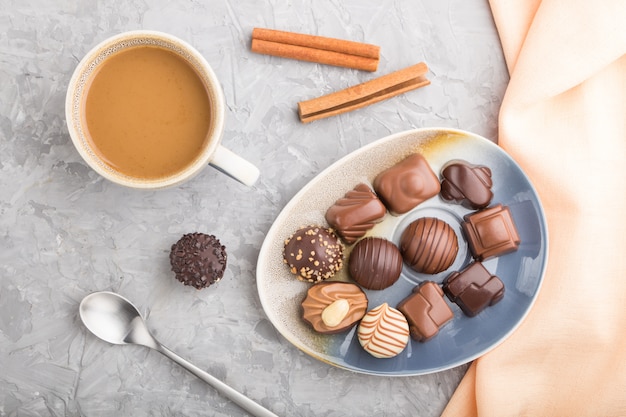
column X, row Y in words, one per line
column 406, row 184
column 473, row 289
column 491, row 232
column 313, row 253
column 198, row 260
column 426, row 311
column 429, row 245
column 356, row 213
column 375, row 263
column 466, row 184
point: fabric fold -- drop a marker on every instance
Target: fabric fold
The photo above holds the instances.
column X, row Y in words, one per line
column 566, row 43
column 563, row 119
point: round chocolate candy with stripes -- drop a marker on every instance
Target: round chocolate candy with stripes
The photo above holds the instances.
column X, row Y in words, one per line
column 375, row 263
column 429, row 245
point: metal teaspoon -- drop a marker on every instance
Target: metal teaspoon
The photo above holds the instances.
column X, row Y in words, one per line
column 116, row 320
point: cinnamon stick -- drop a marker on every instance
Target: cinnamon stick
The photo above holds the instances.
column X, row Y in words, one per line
column 319, row 49
column 364, row 94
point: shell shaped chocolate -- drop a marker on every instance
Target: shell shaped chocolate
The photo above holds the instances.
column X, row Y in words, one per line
column 429, row 245
column 406, row 184
column 313, row 253
column 383, row 332
column 320, row 296
column 356, row 213
column 466, row 184
column 375, row 263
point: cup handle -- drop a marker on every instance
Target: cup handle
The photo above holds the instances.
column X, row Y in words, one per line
column 234, row 166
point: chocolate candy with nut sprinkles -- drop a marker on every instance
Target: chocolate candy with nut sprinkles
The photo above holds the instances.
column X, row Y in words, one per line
column 313, row 253
column 198, row 260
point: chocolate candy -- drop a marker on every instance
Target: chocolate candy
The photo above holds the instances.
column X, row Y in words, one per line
column 332, row 307
column 491, row 232
column 383, row 332
column 375, row 263
column 313, row 253
column 466, row 184
column 356, row 213
column 198, row 260
column 426, row 311
column 429, row 245
column 473, row 289
column 406, row 184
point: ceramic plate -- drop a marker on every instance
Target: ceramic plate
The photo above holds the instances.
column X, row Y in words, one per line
column 459, row 341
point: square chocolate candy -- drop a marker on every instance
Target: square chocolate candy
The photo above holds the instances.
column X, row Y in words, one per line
column 491, row 232
column 426, row 311
column 473, row 289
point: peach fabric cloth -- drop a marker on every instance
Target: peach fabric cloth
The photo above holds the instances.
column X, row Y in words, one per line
column 563, row 119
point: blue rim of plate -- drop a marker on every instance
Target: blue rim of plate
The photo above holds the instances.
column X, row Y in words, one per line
column 464, row 338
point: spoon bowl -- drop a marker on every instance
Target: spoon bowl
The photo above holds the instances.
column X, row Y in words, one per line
column 116, row 320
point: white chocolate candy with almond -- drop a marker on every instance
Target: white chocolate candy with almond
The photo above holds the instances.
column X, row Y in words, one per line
column 383, row 332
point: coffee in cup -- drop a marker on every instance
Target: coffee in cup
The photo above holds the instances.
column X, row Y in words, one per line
column 145, row 110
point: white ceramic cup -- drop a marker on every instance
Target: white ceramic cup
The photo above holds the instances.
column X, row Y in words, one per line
column 212, row 153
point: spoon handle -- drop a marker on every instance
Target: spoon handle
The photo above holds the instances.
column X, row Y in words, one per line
column 230, row 393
